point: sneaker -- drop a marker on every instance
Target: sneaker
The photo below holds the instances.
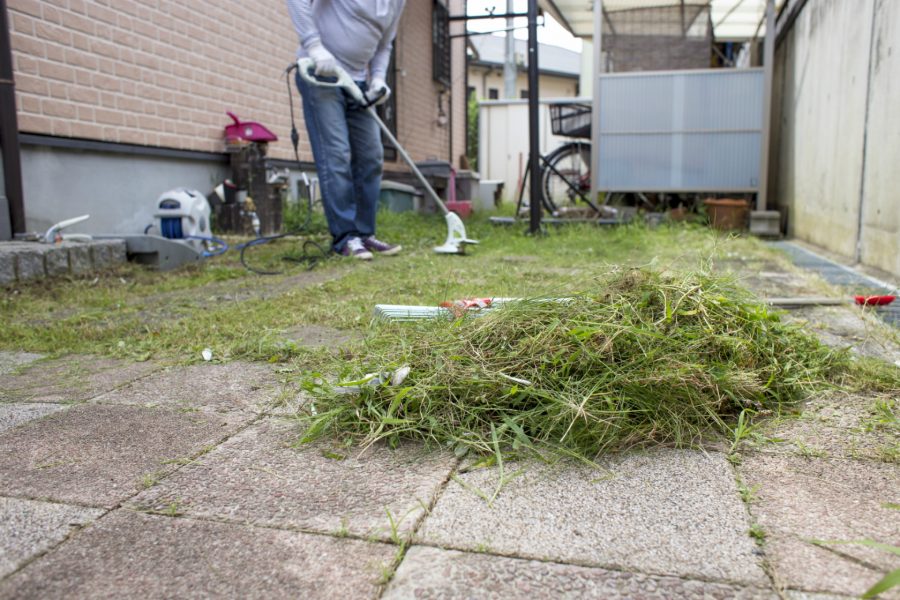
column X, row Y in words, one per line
column 354, row 248
column 379, row 247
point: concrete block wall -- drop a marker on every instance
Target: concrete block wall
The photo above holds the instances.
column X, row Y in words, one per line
column 836, row 138
column 28, row 261
column 163, row 73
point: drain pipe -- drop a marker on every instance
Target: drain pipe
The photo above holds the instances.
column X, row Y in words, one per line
column 9, row 129
column 534, row 140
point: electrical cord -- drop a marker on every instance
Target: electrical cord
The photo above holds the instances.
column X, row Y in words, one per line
column 312, row 253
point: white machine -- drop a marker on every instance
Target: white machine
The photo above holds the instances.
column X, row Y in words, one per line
column 183, row 214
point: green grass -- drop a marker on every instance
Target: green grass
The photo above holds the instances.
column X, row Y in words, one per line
column 137, row 314
column 140, row 314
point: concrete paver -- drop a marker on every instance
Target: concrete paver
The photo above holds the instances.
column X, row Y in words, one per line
column 100, row 455
column 28, row 528
column 257, row 477
column 10, row 361
column 848, row 327
column 799, row 500
column 833, row 424
column 71, row 379
column 435, row 573
column 12, row 415
column 232, row 386
column 667, row 512
column 133, row 555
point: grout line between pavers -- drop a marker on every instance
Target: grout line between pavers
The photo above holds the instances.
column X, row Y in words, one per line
column 846, row 459
column 587, row 565
column 767, row 567
column 120, row 505
column 411, row 536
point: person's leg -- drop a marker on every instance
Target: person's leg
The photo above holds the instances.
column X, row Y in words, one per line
column 367, row 163
column 326, row 115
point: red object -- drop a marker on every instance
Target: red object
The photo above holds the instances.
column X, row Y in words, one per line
column 467, row 303
column 247, row 131
column 460, row 307
column 874, row 300
column 461, row 207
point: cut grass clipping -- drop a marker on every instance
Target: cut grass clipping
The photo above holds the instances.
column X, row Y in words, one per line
column 641, row 358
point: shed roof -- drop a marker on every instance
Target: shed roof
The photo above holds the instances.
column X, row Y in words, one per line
column 735, row 20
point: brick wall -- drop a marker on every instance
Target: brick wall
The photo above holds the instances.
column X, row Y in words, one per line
column 163, row 72
column 419, row 96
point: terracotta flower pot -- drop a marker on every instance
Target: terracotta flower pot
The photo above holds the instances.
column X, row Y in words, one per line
column 728, row 214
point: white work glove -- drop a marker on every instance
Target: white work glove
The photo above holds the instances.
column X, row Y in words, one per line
column 378, row 91
column 326, row 64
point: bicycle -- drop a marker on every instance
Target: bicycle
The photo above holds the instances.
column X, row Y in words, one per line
column 566, row 173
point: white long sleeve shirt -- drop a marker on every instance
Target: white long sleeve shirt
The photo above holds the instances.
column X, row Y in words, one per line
column 359, row 33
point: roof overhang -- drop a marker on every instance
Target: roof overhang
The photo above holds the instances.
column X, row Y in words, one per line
column 732, row 19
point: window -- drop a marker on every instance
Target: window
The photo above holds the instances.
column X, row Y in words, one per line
column 440, row 43
column 523, row 94
column 493, row 93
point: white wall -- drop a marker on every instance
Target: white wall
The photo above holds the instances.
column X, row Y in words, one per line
column 837, row 135
column 503, row 141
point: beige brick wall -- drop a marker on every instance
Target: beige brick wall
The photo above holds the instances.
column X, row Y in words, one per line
column 163, row 73
column 420, row 98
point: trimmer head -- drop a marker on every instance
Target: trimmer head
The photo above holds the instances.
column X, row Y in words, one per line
column 456, row 236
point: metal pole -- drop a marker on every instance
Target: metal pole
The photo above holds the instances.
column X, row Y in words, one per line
column 769, row 70
column 534, row 134
column 595, row 102
column 510, row 72
column 9, row 129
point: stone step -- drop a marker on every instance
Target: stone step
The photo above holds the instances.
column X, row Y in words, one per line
column 29, row 261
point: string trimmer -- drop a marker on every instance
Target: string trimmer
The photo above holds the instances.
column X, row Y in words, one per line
column 456, row 231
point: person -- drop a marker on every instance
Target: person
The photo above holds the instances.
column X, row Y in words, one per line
column 356, row 35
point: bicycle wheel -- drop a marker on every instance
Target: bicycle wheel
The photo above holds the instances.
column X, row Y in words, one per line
column 566, row 176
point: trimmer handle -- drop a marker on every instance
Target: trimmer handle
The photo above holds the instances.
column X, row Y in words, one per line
column 307, row 66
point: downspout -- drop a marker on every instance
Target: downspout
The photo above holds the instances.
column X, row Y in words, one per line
column 762, row 193
column 534, row 142
column 597, row 43
column 466, row 75
column 9, row 129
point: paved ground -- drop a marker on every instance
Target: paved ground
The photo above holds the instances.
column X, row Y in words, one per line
column 131, row 479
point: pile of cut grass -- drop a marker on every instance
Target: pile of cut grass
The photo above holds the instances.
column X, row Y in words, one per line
column 640, row 358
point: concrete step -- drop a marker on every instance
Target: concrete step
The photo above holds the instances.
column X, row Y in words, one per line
column 29, row 261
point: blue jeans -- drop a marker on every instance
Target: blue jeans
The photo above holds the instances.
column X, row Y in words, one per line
column 346, row 145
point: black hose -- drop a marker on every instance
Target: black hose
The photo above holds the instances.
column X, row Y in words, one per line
column 312, row 253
